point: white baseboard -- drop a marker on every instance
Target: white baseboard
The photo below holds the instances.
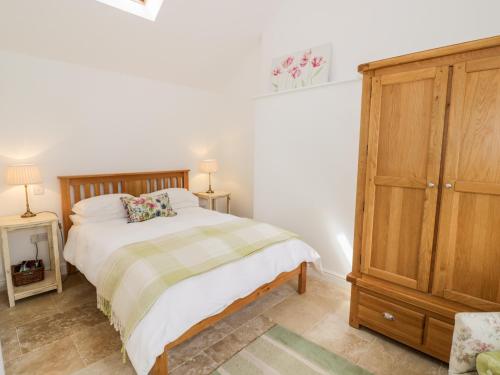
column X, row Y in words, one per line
column 333, row 277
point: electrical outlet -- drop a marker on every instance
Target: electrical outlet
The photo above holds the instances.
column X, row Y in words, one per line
column 39, row 237
column 38, row 189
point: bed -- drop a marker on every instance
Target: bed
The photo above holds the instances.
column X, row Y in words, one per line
column 200, row 301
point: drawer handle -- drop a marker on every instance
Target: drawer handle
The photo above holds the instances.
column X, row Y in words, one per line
column 388, row 316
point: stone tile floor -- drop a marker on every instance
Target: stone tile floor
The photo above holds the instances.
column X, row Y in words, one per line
column 65, row 333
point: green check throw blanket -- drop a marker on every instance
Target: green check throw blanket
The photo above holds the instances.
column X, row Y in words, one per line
column 136, row 275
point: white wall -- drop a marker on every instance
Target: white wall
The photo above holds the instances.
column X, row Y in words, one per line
column 306, row 142
column 74, row 120
column 305, row 167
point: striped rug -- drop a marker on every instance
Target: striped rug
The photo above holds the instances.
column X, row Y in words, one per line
column 280, row 351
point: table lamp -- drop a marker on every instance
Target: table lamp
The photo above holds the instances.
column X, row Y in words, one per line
column 209, row 166
column 27, row 174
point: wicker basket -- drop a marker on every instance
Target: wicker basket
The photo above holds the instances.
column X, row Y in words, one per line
column 27, row 277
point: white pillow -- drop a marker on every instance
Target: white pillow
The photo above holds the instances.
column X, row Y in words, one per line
column 101, row 206
column 79, row 220
column 179, row 198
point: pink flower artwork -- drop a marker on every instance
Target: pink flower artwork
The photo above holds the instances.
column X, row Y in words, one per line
column 305, row 58
column 303, row 68
column 287, row 62
column 295, row 72
column 317, row 61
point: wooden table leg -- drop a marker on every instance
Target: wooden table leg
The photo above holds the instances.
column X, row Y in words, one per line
column 6, row 262
column 51, row 252
column 54, row 248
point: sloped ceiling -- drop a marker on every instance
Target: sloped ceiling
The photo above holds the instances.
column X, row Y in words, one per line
column 199, row 43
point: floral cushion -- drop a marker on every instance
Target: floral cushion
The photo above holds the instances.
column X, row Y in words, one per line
column 474, row 333
column 488, row 363
column 146, row 208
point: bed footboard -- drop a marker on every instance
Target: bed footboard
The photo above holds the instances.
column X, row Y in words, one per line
column 161, row 365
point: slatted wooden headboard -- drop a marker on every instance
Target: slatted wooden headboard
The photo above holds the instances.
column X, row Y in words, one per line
column 76, row 188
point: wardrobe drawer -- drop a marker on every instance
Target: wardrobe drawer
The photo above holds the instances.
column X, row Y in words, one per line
column 438, row 338
column 391, row 319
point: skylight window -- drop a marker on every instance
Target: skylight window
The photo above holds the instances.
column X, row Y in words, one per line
column 143, row 8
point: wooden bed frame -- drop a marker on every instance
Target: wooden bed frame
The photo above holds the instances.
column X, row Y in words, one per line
column 76, row 188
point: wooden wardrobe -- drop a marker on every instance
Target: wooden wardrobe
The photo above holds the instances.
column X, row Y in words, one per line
column 427, row 231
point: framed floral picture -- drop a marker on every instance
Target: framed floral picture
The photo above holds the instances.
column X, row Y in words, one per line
column 301, row 69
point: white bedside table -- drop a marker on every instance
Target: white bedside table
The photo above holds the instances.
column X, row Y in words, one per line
column 212, row 197
column 52, row 279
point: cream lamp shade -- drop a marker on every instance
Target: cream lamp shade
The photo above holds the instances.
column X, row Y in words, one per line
column 208, row 166
column 26, row 174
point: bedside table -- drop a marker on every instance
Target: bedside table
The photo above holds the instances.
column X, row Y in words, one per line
column 52, row 279
column 212, row 197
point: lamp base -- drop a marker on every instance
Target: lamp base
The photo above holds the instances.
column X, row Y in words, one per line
column 28, row 214
column 209, row 191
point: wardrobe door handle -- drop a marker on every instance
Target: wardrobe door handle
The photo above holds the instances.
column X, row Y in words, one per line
column 448, row 185
column 431, row 184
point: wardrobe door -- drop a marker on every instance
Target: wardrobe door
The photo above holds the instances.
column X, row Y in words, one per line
column 468, row 251
column 407, row 113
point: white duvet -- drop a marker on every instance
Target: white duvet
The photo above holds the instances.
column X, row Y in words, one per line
column 189, row 301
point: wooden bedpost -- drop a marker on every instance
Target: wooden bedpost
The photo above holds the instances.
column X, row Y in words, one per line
column 161, row 364
column 302, row 278
column 66, row 205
